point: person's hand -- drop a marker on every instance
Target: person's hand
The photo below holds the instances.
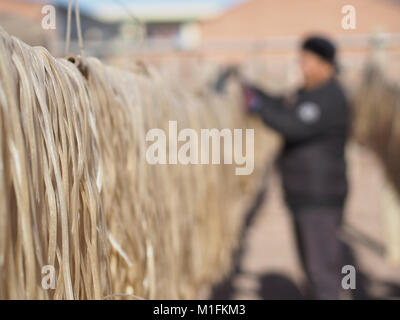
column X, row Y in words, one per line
column 252, row 101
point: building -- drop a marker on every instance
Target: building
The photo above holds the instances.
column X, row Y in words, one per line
column 258, row 27
column 261, row 19
column 23, row 19
column 165, row 25
column 248, row 29
column 99, row 36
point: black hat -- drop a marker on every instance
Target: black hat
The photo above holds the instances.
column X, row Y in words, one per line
column 322, row 47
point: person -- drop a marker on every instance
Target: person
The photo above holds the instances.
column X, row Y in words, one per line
column 314, row 125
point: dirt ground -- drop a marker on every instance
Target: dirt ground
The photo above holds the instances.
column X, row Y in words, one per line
column 267, row 266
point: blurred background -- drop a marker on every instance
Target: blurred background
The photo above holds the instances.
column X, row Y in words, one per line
column 210, row 29
column 191, row 39
column 261, row 33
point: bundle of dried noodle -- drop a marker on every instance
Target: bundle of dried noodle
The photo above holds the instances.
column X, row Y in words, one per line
column 77, row 194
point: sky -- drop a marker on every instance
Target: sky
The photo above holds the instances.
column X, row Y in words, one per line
column 114, row 9
column 95, row 4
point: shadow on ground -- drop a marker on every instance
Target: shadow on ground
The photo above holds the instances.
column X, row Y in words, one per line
column 278, row 286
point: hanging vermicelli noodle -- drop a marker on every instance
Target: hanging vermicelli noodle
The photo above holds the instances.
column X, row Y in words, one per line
column 77, row 194
column 377, row 120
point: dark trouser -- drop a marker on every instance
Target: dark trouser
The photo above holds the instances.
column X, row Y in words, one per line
column 320, row 249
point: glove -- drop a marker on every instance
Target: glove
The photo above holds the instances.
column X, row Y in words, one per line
column 252, row 98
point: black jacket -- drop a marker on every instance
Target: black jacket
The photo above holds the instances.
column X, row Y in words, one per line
column 314, row 126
